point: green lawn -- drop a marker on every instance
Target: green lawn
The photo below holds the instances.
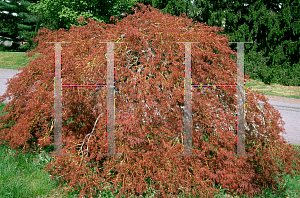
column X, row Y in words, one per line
column 274, row 89
column 23, row 176
column 14, row 60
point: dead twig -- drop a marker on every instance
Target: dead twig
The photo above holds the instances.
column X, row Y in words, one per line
column 90, row 134
column 96, row 36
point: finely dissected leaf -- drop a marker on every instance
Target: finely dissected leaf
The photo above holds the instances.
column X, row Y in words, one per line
column 148, row 110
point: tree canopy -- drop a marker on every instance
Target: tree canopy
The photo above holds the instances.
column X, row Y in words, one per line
column 58, row 14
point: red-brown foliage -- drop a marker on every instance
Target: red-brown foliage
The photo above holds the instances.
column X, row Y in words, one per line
column 149, row 67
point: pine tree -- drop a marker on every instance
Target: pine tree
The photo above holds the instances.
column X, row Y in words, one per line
column 17, row 24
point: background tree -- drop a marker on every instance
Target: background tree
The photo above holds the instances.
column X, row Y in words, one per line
column 58, row 14
column 17, row 24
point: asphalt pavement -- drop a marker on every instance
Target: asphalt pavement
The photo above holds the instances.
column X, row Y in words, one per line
column 5, row 75
column 289, row 110
column 287, row 107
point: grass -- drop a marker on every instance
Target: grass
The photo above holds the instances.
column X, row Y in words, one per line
column 274, row 89
column 23, row 176
column 14, row 60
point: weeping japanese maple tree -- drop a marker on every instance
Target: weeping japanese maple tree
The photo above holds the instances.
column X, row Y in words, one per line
column 149, row 101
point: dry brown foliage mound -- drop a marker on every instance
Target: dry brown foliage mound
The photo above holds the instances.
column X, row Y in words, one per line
column 149, row 77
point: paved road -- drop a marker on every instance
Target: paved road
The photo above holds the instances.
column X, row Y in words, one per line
column 6, row 74
column 290, row 112
column 288, row 108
